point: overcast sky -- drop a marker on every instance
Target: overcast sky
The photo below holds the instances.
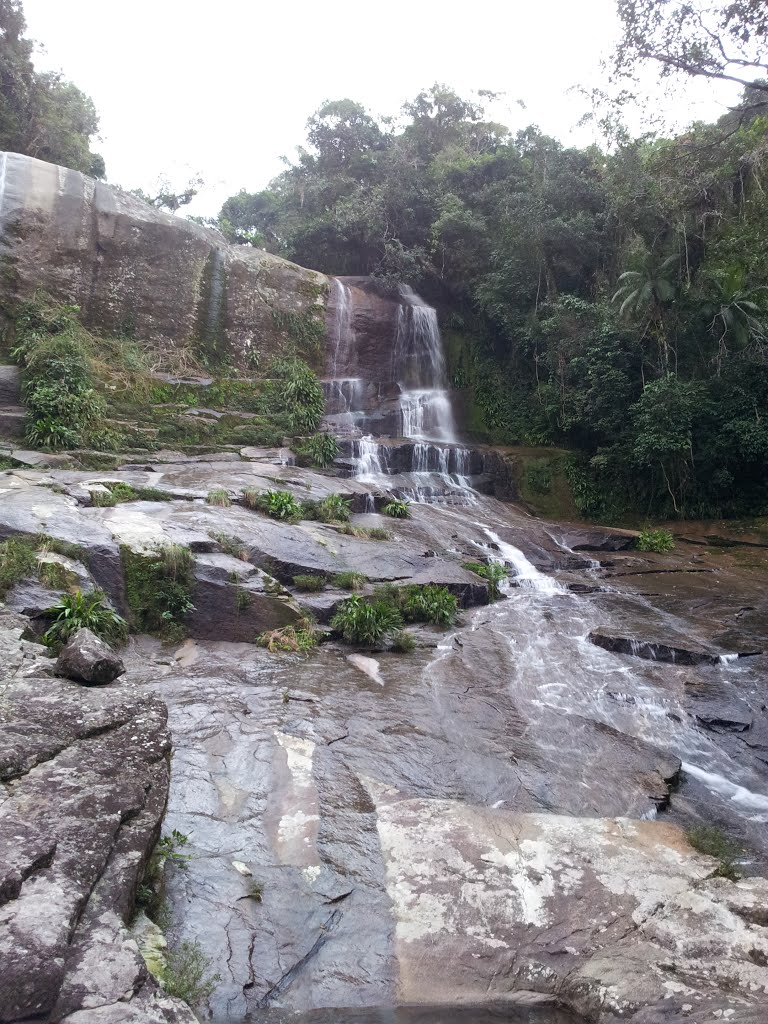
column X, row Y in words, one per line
column 224, row 89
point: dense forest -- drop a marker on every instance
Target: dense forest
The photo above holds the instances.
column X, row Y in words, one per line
column 610, row 302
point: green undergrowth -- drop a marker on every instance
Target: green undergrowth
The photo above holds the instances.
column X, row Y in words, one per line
column 158, row 589
column 293, row 639
column 84, row 611
column 492, row 573
column 105, row 394
column 715, row 843
column 377, row 621
column 658, row 541
column 21, row 558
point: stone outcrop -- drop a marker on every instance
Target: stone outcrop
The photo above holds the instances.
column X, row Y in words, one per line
column 654, row 649
column 87, row 659
column 134, row 270
column 84, row 781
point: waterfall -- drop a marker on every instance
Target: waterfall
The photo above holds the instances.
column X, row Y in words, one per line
column 3, row 171
column 418, row 365
column 370, row 460
column 343, row 339
column 527, row 575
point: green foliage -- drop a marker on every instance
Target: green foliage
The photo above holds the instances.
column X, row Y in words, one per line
column 309, row 583
column 280, row 505
column 187, row 973
column 715, row 843
column 159, row 588
column 332, row 509
column 289, row 639
column 41, row 114
column 659, row 540
column 428, row 604
column 169, row 848
column 493, row 573
column 17, row 561
column 299, row 392
column 321, row 449
column 231, row 545
column 397, row 508
column 403, row 642
column 251, row 498
column 366, row 532
column 84, row 611
column 350, row 580
column 366, row 623
column 219, row 497
column 115, row 494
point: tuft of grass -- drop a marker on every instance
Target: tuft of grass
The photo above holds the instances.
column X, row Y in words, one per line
column 715, row 843
column 403, row 642
column 17, row 561
column 56, row 576
column 429, row 604
column 366, row 532
column 251, row 497
column 230, row 545
column 332, row 509
column 659, row 541
column 187, row 973
column 289, row 639
column 350, row 580
column 398, row 508
column 309, row 583
column 84, row 611
column 492, row 572
column 159, row 588
column 218, row 497
column 278, row 505
column 367, row 623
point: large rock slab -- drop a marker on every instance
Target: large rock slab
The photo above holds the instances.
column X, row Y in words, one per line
column 134, row 269
column 84, row 780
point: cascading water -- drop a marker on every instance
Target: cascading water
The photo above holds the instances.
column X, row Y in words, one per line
column 526, row 574
column 3, row 170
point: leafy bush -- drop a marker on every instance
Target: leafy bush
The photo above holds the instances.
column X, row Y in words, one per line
column 350, row 580
column 659, row 541
column 186, row 974
column 332, row 509
column 368, row 623
column 289, row 639
column 403, row 642
column 280, row 505
column 398, row 508
column 84, row 611
column 715, row 843
column 17, row 561
column 301, row 394
column 219, row 497
column 321, row 449
column 429, row 604
column 309, row 583
column 492, row 572
column 159, row 588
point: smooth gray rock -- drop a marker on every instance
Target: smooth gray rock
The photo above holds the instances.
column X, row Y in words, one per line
column 87, row 659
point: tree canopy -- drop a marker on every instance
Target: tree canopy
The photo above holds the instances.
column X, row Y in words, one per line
column 41, row 114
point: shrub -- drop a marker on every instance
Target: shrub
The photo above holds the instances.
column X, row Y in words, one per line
column 219, row 497
column 251, row 498
column 368, row 623
column 280, row 505
column 715, row 843
column 299, row 638
column 159, row 588
column 48, row 432
column 333, row 509
column 309, row 583
column 186, row 973
column 84, row 611
column 350, row 580
column 17, row 561
column 300, row 393
column 321, row 449
column 403, row 642
column 659, row 541
column 493, row 573
column 398, row 508
column 429, row 604
column 115, row 494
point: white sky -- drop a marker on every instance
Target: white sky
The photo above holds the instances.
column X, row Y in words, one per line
column 224, row 88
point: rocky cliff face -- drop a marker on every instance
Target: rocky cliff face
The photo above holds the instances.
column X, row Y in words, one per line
column 136, row 271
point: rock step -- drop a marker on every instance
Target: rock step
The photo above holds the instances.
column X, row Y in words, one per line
column 10, row 386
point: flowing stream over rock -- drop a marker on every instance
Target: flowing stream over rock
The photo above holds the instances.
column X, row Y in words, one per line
column 474, row 820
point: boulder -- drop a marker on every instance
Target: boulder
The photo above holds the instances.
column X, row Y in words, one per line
column 132, row 268
column 87, row 659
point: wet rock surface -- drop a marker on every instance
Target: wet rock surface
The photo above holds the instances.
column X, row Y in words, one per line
column 84, row 780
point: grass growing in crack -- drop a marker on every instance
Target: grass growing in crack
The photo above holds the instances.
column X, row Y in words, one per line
column 397, row 508
column 492, row 573
column 659, row 541
column 289, row 639
column 403, row 642
column 715, row 843
column 187, row 973
column 350, row 580
column 280, row 505
column 366, row 623
column 310, row 584
column 17, row 561
column 218, row 497
column 159, row 588
column 84, row 611
column 332, row 509
column 366, row 532
column 230, row 545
